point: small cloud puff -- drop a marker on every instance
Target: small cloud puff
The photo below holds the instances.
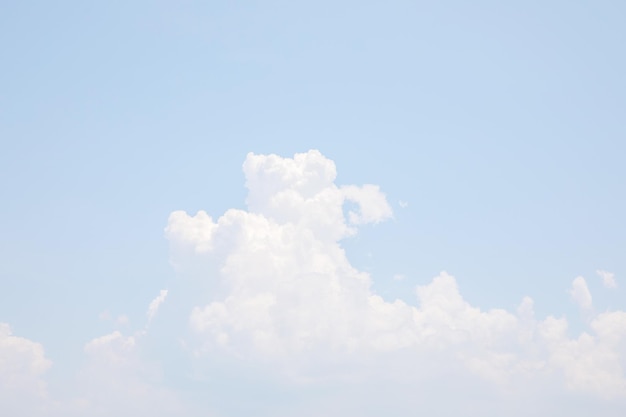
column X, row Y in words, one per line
column 372, row 203
column 608, row 279
column 580, row 293
column 121, row 320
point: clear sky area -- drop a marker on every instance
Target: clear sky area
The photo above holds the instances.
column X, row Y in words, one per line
column 341, row 209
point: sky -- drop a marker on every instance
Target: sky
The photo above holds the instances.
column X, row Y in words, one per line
column 312, row 208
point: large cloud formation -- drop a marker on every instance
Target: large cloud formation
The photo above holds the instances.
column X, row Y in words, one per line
column 284, row 291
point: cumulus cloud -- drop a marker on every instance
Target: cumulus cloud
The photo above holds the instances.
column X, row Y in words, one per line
column 580, row 293
column 608, row 279
column 23, row 363
column 116, row 380
column 284, row 291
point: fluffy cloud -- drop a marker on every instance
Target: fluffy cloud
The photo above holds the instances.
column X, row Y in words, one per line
column 373, row 204
column 283, row 290
column 580, row 293
column 22, row 365
column 116, row 380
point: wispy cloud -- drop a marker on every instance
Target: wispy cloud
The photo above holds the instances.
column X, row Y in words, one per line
column 155, row 304
column 608, row 279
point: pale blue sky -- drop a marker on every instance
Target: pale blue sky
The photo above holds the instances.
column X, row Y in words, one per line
column 500, row 124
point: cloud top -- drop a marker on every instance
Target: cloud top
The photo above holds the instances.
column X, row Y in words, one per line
column 580, row 293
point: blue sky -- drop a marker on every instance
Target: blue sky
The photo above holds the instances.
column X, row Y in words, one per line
column 494, row 131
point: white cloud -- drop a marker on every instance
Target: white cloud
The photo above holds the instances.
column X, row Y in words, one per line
column 111, row 347
column 116, row 380
column 284, row 291
column 113, row 380
column 608, row 279
column 155, row 304
column 23, row 391
column 580, row 293
column 122, row 320
column 589, row 363
column 372, row 203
